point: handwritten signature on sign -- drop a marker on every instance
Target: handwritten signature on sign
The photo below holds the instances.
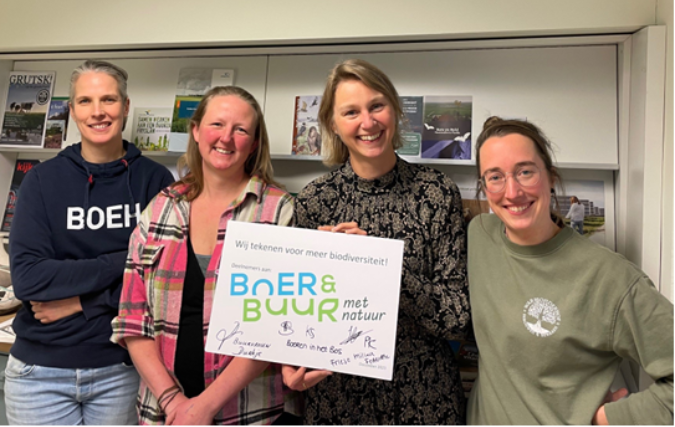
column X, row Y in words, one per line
column 286, row 328
column 222, row 335
column 355, row 334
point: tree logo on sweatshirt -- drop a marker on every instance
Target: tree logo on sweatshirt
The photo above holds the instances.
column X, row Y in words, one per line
column 541, row 317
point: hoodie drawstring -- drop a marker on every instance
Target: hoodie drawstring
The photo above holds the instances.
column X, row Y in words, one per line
column 131, row 194
column 87, row 186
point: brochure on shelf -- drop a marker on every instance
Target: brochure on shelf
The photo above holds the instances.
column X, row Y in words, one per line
column 412, row 126
column 308, row 298
column 151, row 128
column 193, row 83
column 447, row 127
column 25, row 119
column 306, row 129
column 57, row 122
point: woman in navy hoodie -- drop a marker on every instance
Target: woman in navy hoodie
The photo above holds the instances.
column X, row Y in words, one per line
column 68, row 247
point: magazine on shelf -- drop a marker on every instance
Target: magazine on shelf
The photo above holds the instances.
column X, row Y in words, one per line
column 412, row 126
column 151, row 128
column 20, row 170
column 306, row 129
column 193, row 83
column 24, row 121
column 57, row 122
column 447, row 127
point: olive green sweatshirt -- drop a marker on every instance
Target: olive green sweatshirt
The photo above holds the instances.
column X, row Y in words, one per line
column 552, row 323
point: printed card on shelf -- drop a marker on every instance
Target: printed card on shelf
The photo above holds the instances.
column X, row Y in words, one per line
column 308, row 298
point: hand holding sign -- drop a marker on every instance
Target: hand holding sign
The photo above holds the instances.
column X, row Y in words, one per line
column 344, row 227
column 300, row 379
column 324, row 301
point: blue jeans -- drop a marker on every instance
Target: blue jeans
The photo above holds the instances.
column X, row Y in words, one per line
column 579, row 226
column 40, row 395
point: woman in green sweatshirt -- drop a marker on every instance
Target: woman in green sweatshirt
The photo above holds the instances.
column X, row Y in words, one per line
column 554, row 313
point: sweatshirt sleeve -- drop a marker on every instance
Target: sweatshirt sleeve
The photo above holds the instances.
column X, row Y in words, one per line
column 36, row 274
column 643, row 333
column 98, row 303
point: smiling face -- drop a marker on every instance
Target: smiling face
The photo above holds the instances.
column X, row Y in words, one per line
column 365, row 122
column 98, row 109
column 525, row 211
column 226, row 135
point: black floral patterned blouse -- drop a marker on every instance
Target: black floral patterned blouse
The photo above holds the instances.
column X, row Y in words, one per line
column 423, row 208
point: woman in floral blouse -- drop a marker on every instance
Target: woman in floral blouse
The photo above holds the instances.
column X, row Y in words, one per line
column 376, row 193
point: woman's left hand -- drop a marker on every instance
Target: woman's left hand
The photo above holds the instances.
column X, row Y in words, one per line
column 600, row 419
column 344, row 227
column 191, row 412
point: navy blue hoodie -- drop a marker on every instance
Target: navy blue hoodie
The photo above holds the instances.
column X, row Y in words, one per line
column 70, row 237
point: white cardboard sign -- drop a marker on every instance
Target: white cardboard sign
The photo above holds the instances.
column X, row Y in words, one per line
column 308, row 298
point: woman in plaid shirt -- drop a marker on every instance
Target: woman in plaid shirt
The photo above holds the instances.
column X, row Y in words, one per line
column 172, row 267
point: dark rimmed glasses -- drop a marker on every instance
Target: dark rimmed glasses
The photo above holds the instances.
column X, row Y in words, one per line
column 495, row 181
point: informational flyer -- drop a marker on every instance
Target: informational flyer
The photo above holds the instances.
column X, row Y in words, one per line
column 151, row 128
column 308, row 298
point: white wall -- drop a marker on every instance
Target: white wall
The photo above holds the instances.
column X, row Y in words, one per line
column 39, row 25
column 664, row 16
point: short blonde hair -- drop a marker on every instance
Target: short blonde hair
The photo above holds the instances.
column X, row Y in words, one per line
column 369, row 75
column 259, row 163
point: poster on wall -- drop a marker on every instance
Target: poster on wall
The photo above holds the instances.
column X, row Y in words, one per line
column 193, row 83
column 308, row 298
column 447, row 127
column 151, row 128
column 306, row 129
column 57, row 122
column 25, row 119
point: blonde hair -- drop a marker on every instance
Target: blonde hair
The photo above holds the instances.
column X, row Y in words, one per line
column 259, row 162
column 369, row 75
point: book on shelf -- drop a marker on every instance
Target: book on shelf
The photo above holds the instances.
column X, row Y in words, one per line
column 152, row 127
column 20, row 170
column 306, row 129
column 24, row 121
column 193, row 83
column 57, row 122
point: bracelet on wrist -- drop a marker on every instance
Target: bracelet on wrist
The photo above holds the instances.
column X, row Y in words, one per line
column 166, row 392
column 168, row 400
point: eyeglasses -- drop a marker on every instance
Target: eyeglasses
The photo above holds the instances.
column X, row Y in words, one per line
column 495, row 181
